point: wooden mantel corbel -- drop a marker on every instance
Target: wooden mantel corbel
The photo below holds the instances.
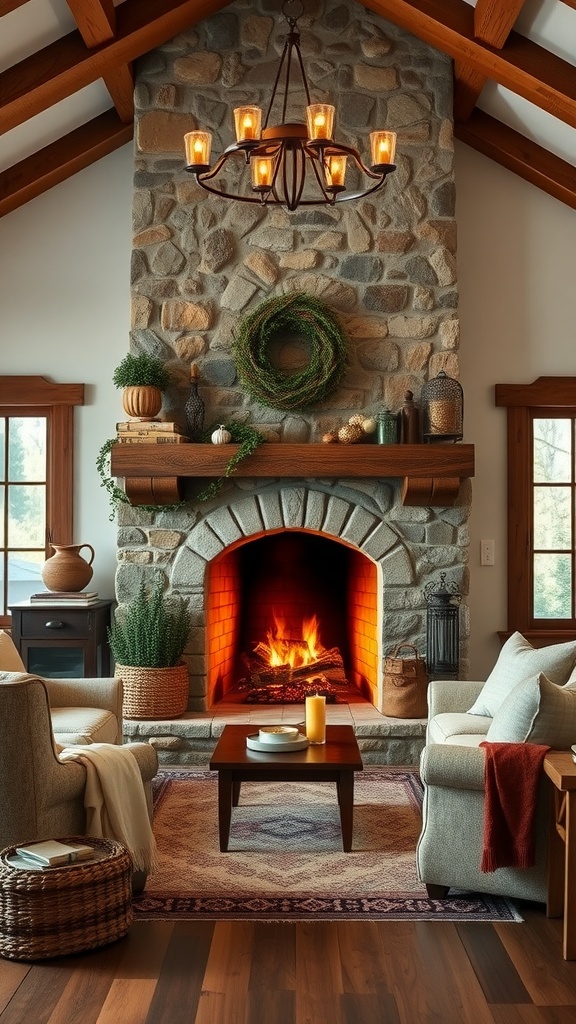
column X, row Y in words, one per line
column 432, row 473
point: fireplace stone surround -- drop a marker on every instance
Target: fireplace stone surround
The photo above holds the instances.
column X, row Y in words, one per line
column 386, row 266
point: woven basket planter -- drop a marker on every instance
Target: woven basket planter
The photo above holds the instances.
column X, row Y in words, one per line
column 66, row 909
column 154, row 692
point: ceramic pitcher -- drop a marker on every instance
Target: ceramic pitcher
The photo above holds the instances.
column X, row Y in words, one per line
column 66, row 569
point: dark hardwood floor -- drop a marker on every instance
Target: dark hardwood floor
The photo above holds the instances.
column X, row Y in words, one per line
column 306, row 973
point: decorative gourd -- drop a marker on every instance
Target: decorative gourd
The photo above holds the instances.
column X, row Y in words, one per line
column 369, row 425
column 351, row 433
column 221, row 435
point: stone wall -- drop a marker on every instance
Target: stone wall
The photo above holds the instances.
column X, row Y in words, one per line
column 386, row 265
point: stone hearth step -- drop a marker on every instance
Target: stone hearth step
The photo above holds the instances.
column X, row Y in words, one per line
column 190, row 740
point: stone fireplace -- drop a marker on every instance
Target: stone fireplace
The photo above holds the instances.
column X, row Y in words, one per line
column 386, row 267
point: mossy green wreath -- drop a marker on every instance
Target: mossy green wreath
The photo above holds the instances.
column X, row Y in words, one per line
column 305, row 316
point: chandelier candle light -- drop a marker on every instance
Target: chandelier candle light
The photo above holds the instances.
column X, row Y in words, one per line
column 280, row 156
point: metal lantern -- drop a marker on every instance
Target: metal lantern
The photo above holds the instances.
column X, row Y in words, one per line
column 442, row 404
column 442, row 628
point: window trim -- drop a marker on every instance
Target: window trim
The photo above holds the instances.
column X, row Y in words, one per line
column 56, row 402
column 524, row 403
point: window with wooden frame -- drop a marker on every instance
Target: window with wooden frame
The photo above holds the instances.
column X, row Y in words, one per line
column 36, row 480
column 541, row 507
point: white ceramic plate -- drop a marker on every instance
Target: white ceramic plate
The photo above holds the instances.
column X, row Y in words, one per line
column 254, row 743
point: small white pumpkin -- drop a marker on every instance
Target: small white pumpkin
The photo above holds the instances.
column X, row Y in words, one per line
column 369, row 425
column 221, row 435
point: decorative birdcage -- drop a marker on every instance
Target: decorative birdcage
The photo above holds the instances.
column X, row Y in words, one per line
column 442, row 628
column 442, row 405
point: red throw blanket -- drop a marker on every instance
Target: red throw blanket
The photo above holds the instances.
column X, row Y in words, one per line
column 511, row 776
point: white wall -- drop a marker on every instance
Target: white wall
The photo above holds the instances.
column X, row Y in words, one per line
column 64, row 300
column 65, row 309
column 516, row 282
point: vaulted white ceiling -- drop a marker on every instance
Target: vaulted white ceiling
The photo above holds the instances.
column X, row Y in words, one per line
column 66, row 80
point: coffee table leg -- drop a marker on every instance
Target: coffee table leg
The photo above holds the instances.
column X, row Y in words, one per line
column 224, row 808
column 236, row 792
column 345, row 787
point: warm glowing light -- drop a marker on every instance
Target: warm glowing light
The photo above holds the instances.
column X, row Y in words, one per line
column 281, row 649
column 198, row 145
column 248, row 122
column 262, row 168
column 383, row 147
column 335, row 171
column 320, row 120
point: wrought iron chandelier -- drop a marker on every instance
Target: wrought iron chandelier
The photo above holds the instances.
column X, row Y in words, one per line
column 291, row 164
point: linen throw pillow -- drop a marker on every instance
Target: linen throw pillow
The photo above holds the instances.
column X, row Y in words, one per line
column 518, row 660
column 537, row 711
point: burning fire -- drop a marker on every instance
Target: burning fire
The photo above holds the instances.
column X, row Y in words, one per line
column 284, row 649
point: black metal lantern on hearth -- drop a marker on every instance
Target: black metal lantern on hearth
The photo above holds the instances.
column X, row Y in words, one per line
column 442, row 628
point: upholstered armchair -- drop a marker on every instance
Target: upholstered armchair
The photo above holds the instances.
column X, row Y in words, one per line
column 42, row 797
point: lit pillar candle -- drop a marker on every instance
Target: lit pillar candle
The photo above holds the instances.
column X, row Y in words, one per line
column 198, row 145
column 316, row 719
column 320, row 120
column 247, row 121
column 383, row 147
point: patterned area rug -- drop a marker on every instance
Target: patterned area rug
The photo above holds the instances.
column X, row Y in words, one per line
column 285, row 859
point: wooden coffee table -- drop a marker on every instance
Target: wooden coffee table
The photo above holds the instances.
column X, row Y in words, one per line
column 333, row 761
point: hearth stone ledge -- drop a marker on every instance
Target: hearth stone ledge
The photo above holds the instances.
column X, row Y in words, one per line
column 191, row 739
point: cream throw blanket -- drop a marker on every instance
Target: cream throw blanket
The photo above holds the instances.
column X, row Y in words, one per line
column 115, row 800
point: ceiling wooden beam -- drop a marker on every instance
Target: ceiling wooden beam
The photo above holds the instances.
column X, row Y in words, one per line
column 96, row 20
column 493, row 22
column 523, row 67
column 530, row 161
column 495, row 19
column 62, row 159
column 6, row 6
column 65, row 66
column 120, row 85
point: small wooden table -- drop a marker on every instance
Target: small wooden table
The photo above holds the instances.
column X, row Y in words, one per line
column 333, row 761
column 561, row 770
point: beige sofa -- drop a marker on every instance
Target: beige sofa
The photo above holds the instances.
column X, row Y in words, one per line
column 529, row 697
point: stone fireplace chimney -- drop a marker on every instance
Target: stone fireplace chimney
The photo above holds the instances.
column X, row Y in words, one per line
column 385, row 265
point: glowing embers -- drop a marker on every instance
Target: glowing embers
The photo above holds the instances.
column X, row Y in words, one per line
column 286, row 668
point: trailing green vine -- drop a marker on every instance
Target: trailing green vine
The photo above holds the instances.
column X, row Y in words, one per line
column 247, row 437
column 116, row 494
column 305, row 316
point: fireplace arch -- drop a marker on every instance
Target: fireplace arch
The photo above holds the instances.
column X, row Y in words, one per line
column 369, row 552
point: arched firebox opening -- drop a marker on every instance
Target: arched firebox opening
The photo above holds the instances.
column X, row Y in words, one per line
column 285, row 596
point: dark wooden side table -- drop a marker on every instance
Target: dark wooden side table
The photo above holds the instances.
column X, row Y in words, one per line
column 561, row 770
column 63, row 641
column 333, row 761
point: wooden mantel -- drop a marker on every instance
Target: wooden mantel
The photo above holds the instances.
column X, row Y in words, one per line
column 431, row 473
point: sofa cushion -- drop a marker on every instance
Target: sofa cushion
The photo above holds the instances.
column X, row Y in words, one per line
column 537, row 711
column 10, row 660
column 83, row 725
column 458, row 727
column 519, row 660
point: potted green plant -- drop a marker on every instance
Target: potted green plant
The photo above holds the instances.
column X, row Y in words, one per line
column 147, row 639
column 143, row 378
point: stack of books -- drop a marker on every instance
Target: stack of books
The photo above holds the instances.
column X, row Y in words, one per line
column 150, row 432
column 80, row 599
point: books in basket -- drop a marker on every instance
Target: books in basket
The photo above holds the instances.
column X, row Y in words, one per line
column 52, row 854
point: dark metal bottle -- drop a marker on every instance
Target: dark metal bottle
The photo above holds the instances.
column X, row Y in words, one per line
column 409, row 421
column 194, row 407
